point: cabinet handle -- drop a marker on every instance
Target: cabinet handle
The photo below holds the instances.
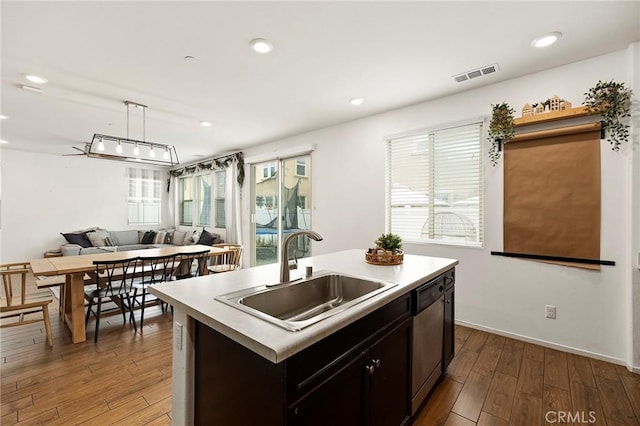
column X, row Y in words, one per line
column 448, row 302
column 370, row 369
column 376, row 362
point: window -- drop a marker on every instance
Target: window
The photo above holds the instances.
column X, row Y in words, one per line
column 203, row 214
column 301, row 167
column 268, row 170
column 143, row 196
column 219, row 198
column 434, row 185
column 195, row 199
column 186, row 201
column 302, row 202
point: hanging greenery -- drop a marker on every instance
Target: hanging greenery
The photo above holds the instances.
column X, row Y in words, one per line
column 501, row 129
column 217, row 163
column 613, row 101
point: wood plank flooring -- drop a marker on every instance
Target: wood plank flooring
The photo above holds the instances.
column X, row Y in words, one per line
column 126, row 379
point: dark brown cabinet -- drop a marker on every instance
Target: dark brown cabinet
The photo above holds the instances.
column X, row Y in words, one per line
column 449, row 342
column 371, row 389
column 338, row 401
column 358, row 375
column 389, row 384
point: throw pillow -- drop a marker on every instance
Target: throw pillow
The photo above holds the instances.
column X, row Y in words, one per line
column 109, row 241
column 206, row 238
column 98, row 237
column 148, row 237
column 193, row 239
column 178, row 238
column 80, row 239
column 160, row 237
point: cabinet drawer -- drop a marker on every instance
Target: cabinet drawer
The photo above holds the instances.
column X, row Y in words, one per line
column 319, row 361
column 449, row 278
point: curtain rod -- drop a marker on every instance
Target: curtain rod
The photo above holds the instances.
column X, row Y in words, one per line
column 205, row 160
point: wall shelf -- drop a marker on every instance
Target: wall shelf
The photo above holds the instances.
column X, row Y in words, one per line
column 580, row 111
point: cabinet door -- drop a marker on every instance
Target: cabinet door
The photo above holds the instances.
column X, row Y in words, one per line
column 449, row 327
column 338, row 401
column 389, row 402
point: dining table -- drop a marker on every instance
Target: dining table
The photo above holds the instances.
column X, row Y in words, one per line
column 75, row 268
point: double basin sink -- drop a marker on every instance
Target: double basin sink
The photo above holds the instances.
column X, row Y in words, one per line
column 296, row 305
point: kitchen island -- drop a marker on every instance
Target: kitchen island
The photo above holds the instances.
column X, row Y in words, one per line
column 225, row 359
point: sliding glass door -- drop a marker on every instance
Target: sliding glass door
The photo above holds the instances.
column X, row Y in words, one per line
column 282, row 204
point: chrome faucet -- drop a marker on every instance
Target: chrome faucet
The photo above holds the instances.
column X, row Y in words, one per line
column 284, row 255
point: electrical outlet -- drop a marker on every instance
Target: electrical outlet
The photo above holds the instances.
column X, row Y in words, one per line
column 550, row 311
column 177, row 335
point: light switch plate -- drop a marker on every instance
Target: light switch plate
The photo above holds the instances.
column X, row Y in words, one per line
column 177, row 335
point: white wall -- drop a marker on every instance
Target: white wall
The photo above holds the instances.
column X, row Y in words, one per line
column 44, row 195
column 507, row 295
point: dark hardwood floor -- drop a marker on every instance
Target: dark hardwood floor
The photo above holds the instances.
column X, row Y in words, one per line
column 126, row 379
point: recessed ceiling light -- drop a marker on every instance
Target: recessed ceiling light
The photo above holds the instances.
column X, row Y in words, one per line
column 3, row 141
column 190, row 58
column 261, row 45
column 356, row 101
column 36, row 79
column 547, row 39
column 3, row 117
column 206, row 123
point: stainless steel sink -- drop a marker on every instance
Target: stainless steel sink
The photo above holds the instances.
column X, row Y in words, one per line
column 299, row 304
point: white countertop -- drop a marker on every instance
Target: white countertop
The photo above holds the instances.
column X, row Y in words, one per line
column 196, row 298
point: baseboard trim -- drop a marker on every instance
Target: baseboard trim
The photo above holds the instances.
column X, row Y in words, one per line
column 550, row 345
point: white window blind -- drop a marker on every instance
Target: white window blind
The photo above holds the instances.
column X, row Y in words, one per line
column 434, row 185
column 220, row 191
column 143, row 196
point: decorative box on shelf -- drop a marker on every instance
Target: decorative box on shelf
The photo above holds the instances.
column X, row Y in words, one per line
column 380, row 256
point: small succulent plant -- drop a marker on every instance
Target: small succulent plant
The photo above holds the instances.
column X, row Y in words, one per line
column 391, row 242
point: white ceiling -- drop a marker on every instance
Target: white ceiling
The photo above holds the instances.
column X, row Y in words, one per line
column 98, row 54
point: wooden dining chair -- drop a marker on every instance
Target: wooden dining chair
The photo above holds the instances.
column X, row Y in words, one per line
column 154, row 270
column 16, row 303
column 228, row 261
column 192, row 264
column 114, row 282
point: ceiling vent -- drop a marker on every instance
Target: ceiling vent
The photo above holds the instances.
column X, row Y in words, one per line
column 479, row 72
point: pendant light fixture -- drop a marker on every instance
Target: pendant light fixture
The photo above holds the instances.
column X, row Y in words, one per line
column 126, row 149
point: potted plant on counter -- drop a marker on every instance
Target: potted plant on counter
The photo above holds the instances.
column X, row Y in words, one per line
column 388, row 250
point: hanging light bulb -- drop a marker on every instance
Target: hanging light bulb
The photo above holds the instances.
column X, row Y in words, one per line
column 152, row 152
column 136, row 150
column 166, row 153
column 119, row 148
column 101, row 145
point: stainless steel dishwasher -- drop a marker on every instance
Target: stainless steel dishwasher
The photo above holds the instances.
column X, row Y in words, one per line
column 428, row 328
